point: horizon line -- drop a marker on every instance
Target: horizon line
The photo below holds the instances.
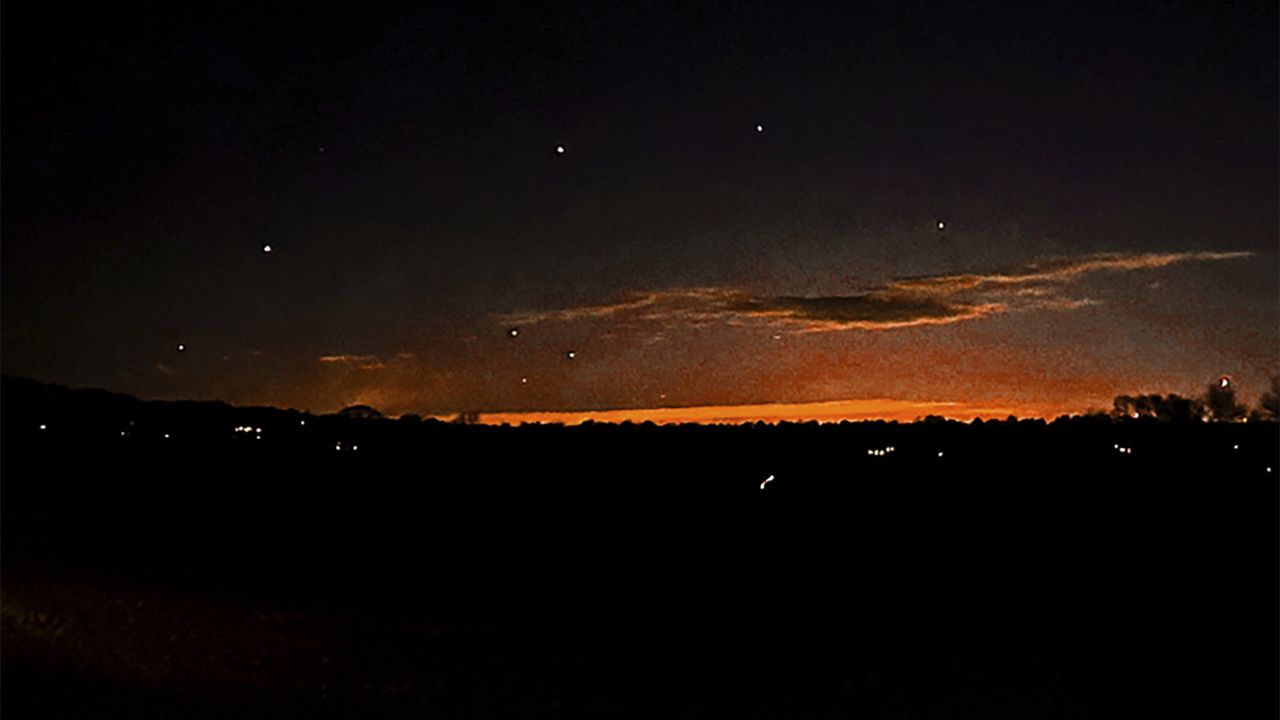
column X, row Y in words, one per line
column 827, row 411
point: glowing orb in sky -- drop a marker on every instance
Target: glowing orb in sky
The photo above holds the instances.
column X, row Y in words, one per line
column 759, row 128
column 571, row 354
column 182, row 348
column 266, row 249
column 513, row 332
column 559, row 149
column 1224, row 382
column 942, row 225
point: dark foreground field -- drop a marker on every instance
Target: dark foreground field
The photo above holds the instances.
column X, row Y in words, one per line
column 432, row 570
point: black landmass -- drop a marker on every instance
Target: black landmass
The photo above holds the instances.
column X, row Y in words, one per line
column 200, row 560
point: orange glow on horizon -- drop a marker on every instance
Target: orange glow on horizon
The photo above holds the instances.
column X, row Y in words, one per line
column 823, row 412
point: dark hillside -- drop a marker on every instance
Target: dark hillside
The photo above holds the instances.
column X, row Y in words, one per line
column 313, row 564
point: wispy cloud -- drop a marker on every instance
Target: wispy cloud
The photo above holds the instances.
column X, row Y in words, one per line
column 902, row 302
column 361, row 362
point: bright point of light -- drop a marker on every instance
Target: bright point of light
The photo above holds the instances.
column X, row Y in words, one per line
column 766, row 482
column 939, row 454
column 1268, row 469
column 942, row 225
column 524, row 381
column 1235, row 447
column 759, row 128
column 337, row 446
column 302, row 422
column 123, row 433
column 266, row 249
column 513, row 332
column 44, row 427
column 1224, row 381
column 182, row 348
column 560, row 149
column 572, row 354
column 354, row 448
column 166, row 436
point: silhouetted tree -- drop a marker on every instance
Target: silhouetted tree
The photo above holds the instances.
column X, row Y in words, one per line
column 360, row 412
column 1170, row 408
column 467, row 418
column 1220, row 401
column 1269, row 401
column 411, row 418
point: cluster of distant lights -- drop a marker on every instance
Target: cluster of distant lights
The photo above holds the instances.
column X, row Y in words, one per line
column 257, row 431
column 871, row 452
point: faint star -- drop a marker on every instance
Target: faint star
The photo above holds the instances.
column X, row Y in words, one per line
column 182, row 348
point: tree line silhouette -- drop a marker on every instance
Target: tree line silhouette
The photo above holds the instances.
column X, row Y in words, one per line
column 1218, row 403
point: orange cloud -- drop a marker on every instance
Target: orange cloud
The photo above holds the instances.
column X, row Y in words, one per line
column 361, row 362
column 900, row 303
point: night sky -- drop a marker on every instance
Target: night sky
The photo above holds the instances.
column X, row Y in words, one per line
column 839, row 211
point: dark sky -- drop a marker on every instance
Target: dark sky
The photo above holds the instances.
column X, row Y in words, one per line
column 1106, row 175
